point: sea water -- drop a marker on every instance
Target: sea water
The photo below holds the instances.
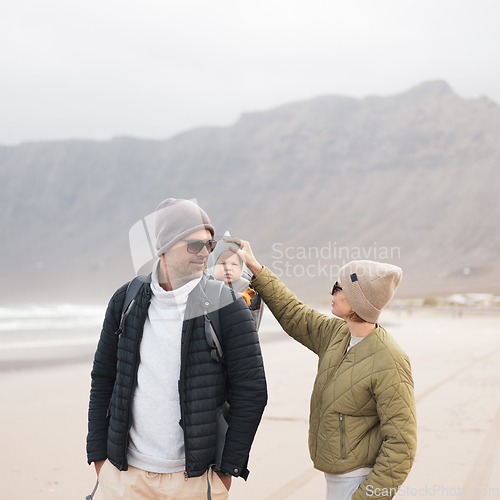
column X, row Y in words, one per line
column 31, row 326
column 38, row 326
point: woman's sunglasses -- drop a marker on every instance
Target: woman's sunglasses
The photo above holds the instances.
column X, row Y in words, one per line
column 336, row 288
column 197, row 246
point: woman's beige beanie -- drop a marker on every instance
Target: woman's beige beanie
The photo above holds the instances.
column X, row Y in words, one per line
column 369, row 286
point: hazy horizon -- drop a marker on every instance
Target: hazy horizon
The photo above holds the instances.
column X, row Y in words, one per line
column 109, row 69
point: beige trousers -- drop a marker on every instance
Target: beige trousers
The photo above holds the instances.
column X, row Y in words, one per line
column 136, row 484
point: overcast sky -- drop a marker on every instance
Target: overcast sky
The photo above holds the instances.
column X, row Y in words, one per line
column 95, row 69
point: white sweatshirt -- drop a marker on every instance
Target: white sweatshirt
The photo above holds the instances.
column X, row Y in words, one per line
column 156, row 439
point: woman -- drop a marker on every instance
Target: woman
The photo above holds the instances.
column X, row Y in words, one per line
column 362, row 431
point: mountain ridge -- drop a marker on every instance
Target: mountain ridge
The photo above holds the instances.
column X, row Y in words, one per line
column 417, row 171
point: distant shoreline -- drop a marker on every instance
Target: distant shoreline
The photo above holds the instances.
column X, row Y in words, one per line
column 33, row 358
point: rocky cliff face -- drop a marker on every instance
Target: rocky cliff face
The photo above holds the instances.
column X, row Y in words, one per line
column 412, row 179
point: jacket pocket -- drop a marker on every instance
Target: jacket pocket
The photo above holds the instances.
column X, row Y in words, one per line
column 222, row 427
column 342, row 435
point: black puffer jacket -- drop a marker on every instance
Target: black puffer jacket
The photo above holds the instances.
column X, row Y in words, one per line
column 203, row 383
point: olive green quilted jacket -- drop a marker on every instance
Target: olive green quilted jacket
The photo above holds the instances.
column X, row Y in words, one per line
column 362, row 405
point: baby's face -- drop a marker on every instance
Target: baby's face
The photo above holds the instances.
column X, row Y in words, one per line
column 228, row 267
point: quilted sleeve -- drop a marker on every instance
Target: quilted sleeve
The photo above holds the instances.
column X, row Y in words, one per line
column 103, row 378
column 306, row 325
column 393, row 392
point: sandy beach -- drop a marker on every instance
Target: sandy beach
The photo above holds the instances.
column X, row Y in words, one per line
column 456, row 367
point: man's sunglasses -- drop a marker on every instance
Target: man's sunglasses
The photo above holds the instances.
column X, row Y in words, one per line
column 336, row 288
column 197, row 246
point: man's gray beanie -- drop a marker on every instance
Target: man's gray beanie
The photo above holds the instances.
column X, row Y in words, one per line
column 175, row 219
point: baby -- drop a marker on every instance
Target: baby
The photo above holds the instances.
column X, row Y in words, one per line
column 224, row 265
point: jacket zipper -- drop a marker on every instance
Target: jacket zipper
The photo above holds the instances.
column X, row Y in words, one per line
column 135, row 366
column 342, row 436
column 328, row 380
column 184, row 353
column 186, row 337
column 330, row 377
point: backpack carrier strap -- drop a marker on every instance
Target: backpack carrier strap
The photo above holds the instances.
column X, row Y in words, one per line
column 213, row 290
column 132, row 290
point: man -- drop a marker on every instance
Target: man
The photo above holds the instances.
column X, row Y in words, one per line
column 158, row 393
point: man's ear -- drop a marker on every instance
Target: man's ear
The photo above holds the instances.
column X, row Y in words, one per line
column 163, row 274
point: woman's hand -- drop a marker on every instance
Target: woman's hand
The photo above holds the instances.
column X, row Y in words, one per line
column 243, row 249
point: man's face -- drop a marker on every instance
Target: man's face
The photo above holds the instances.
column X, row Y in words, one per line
column 183, row 266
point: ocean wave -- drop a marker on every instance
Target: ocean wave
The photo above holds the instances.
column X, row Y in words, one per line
column 37, row 344
column 54, row 317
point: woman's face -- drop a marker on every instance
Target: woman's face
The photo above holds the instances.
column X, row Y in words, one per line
column 340, row 307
